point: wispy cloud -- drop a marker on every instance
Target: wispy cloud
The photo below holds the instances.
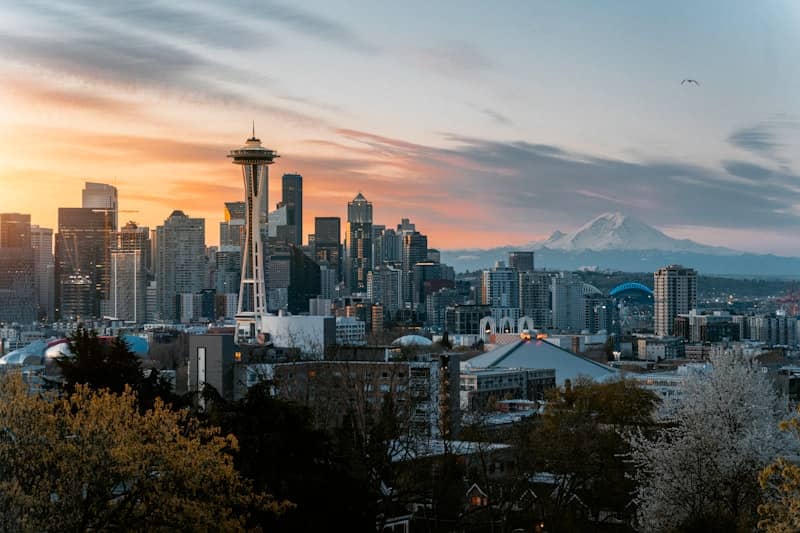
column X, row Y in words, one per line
column 458, row 59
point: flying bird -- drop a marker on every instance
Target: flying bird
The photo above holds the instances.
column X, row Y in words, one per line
column 690, row 81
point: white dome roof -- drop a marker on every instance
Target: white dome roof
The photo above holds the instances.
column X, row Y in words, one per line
column 412, row 340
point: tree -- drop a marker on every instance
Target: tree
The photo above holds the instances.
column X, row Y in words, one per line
column 780, row 483
column 699, row 472
column 580, row 447
column 91, row 460
column 113, row 367
column 281, row 451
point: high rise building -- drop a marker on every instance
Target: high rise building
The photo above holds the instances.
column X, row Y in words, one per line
column 294, row 279
column 229, row 269
column 415, row 250
column 522, row 261
column 675, row 293
column 292, row 198
column 130, row 260
column 385, row 287
column 44, row 268
column 567, row 302
column 180, row 262
column 327, row 242
column 500, row 287
column 82, row 261
column 101, row 196
column 231, row 230
column 18, row 300
column 534, row 298
column 390, row 246
column 359, row 242
column 254, row 160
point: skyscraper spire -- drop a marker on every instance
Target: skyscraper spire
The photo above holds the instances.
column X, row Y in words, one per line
column 254, row 129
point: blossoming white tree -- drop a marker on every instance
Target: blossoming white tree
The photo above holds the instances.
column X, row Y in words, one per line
column 700, row 470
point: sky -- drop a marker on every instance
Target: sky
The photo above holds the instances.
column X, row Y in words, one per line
column 485, row 123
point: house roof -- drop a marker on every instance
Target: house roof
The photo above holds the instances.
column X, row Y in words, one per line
column 539, row 354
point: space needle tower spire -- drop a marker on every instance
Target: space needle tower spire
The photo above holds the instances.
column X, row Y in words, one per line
column 255, row 161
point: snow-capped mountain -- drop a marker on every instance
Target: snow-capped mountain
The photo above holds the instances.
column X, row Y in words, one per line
column 614, row 241
column 615, row 231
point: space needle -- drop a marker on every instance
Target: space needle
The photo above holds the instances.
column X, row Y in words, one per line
column 254, row 160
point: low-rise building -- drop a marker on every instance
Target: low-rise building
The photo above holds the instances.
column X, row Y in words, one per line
column 484, row 386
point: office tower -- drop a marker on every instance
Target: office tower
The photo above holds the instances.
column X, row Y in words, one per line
column 279, row 222
column 82, row 261
column 327, row 242
column 434, row 255
column 566, row 294
column 359, row 242
column 522, row 261
column 44, row 268
column 292, row 198
column 534, row 298
column 437, row 302
column 390, row 246
column 500, row 287
column 415, row 250
column 101, row 196
column 180, row 262
column 128, row 285
column 327, row 281
column 675, row 293
column 130, row 257
column 18, row 298
column 133, row 237
column 294, row 279
column 229, row 269
column 385, row 287
column 231, row 230
column 403, row 228
column 427, row 277
column 254, row 160
column 377, row 243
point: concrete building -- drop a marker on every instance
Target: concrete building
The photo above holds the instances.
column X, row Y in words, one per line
column 211, row 359
column 479, row 386
column 675, row 293
column 534, row 298
column 465, row 319
column 566, row 293
column 310, row 336
column 500, row 286
column 425, row 390
column 521, row 261
column 659, row 348
column 180, row 261
column 350, row 331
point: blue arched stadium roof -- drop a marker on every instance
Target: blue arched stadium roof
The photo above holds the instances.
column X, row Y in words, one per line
column 631, row 286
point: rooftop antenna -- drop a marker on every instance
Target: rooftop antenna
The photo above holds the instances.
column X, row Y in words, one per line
column 254, row 129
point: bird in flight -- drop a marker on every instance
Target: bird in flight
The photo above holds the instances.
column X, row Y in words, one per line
column 690, row 81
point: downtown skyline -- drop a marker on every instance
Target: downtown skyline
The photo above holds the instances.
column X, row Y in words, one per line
column 486, row 127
